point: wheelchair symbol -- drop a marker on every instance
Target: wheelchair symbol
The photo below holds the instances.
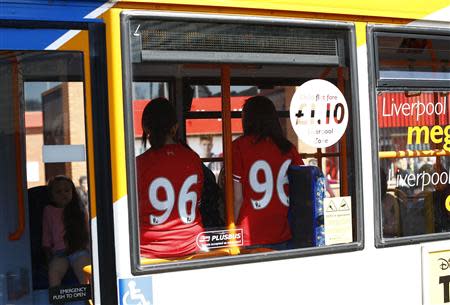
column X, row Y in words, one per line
column 134, row 294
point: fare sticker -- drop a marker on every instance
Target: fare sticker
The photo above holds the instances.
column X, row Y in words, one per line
column 319, row 113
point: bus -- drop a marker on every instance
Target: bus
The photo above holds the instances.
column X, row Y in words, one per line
column 361, row 89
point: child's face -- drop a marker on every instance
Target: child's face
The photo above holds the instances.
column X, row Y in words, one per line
column 62, row 193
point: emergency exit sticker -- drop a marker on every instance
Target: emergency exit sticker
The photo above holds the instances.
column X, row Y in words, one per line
column 436, row 275
column 63, row 295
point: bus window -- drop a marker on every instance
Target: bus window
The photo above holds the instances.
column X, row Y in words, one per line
column 411, row 101
column 203, row 121
column 142, row 92
column 208, row 70
column 44, row 130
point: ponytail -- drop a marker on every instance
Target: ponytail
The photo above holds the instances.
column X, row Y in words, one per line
column 260, row 119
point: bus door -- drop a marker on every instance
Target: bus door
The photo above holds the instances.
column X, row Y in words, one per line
column 49, row 155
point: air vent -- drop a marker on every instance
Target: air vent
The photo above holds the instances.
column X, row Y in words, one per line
column 234, row 42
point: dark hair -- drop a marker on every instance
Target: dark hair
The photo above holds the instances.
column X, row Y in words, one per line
column 81, row 179
column 260, row 119
column 76, row 235
column 206, row 137
column 158, row 118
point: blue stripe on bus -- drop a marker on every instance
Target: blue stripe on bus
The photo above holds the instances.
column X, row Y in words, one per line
column 47, row 10
column 31, row 40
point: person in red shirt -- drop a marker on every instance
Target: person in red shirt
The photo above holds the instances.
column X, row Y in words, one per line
column 170, row 181
column 261, row 158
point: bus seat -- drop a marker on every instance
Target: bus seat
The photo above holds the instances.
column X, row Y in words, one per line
column 306, row 195
column 38, row 198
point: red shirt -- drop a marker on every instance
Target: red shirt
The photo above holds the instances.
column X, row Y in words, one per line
column 261, row 168
column 170, row 181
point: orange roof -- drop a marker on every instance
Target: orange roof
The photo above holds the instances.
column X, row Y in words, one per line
column 197, row 126
column 33, row 119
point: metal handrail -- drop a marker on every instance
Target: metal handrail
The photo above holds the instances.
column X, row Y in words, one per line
column 412, row 153
column 17, row 234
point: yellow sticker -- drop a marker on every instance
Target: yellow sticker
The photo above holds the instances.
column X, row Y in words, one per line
column 447, row 203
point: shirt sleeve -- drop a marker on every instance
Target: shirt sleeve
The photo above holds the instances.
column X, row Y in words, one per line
column 296, row 159
column 237, row 162
column 46, row 230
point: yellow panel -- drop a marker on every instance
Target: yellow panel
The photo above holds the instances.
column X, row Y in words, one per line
column 411, row 9
column 115, row 95
column 81, row 43
column 360, row 28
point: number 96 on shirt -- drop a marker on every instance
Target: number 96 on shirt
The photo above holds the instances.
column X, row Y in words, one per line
column 186, row 211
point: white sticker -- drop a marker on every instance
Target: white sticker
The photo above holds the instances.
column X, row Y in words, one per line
column 220, row 239
column 32, row 171
column 63, row 153
column 319, row 113
column 338, row 220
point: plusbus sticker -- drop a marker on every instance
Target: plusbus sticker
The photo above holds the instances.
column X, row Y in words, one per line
column 220, row 239
column 319, row 113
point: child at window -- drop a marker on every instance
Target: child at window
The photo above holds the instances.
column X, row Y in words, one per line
column 65, row 235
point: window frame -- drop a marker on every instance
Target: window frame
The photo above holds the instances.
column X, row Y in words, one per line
column 373, row 31
column 136, row 267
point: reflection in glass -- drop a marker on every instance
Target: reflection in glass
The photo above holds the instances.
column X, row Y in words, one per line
column 330, row 168
column 197, row 88
column 414, row 188
column 150, row 90
column 46, row 102
column 56, row 117
column 414, row 57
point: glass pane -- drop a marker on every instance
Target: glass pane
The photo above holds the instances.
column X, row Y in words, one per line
column 142, row 93
column 204, row 136
column 192, row 56
column 414, row 57
column 43, row 127
column 206, row 103
column 208, row 97
column 149, row 90
column 415, row 183
column 281, row 97
column 57, row 119
column 331, row 171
